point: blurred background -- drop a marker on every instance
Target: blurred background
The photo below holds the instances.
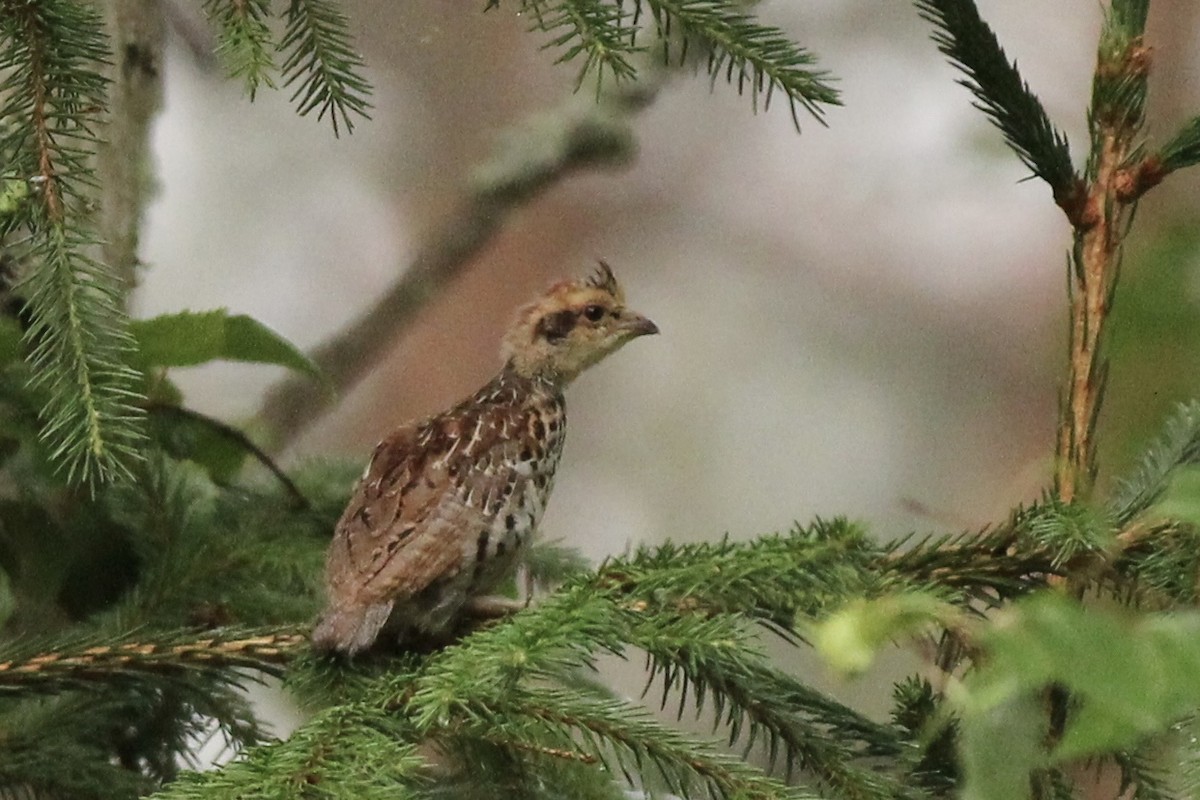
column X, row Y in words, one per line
column 865, row 319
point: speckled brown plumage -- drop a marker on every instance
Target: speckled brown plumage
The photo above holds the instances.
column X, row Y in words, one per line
column 447, row 504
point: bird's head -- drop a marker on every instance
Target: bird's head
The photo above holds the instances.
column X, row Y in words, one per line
column 571, row 327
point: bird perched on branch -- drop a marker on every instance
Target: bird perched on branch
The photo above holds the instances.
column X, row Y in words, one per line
column 447, row 504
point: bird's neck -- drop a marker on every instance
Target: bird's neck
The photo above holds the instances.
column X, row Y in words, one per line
column 539, row 378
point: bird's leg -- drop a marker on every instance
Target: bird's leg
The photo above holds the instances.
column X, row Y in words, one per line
column 526, row 581
column 492, row 606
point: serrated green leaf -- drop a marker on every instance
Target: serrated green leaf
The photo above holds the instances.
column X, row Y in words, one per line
column 1134, row 676
column 185, row 437
column 994, row 772
column 851, row 638
column 247, row 339
column 190, row 338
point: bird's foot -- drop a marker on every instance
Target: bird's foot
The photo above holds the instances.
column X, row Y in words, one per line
column 492, row 606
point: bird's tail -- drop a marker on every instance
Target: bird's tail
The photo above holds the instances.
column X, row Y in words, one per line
column 350, row 630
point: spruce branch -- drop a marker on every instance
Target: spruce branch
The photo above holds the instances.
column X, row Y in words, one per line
column 63, row 748
column 507, row 766
column 1005, row 98
column 771, row 579
column 1142, row 777
column 988, row 566
column 1183, row 150
column 1115, row 121
column 1067, row 534
column 319, row 56
column 1159, row 565
column 623, row 736
column 715, row 660
column 1176, row 446
column 239, row 439
column 79, row 349
column 597, row 29
column 562, row 634
column 209, row 556
column 124, row 734
column 1119, row 86
column 346, row 751
column 752, row 56
column 244, row 42
column 924, row 717
column 170, row 656
column 78, row 334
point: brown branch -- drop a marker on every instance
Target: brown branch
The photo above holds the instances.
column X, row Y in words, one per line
column 47, row 176
column 583, row 134
column 1095, row 264
column 552, row 752
column 99, row 664
column 137, row 33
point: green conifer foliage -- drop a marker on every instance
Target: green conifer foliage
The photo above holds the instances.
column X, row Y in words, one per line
column 154, row 561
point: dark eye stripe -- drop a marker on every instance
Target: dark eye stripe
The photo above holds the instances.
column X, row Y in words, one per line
column 553, row 327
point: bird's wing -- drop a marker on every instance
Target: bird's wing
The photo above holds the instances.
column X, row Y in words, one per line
column 406, row 527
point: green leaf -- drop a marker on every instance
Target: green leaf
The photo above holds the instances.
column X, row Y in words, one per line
column 186, row 437
column 852, row 637
column 992, row 772
column 189, row 338
column 1134, row 675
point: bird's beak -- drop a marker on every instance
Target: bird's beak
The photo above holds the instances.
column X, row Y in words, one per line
column 637, row 325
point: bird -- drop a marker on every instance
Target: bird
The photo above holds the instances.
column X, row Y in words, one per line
column 447, row 504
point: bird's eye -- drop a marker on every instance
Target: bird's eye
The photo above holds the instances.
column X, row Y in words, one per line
column 594, row 313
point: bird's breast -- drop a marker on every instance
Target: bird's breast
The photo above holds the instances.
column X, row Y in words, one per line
column 514, row 500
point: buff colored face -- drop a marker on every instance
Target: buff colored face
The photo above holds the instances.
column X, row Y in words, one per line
column 572, row 327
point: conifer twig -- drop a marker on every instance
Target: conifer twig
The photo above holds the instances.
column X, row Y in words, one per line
column 320, row 59
column 244, row 41
column 52, row 90
column 1005, row 98
column 750, row 55
column 624, row 733
column 819, row 735
column 1115, row 119
column 1177, row 445
column 1183, row 150
column 104, row 664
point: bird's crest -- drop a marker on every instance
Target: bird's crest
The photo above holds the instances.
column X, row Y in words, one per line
column 603, row 278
